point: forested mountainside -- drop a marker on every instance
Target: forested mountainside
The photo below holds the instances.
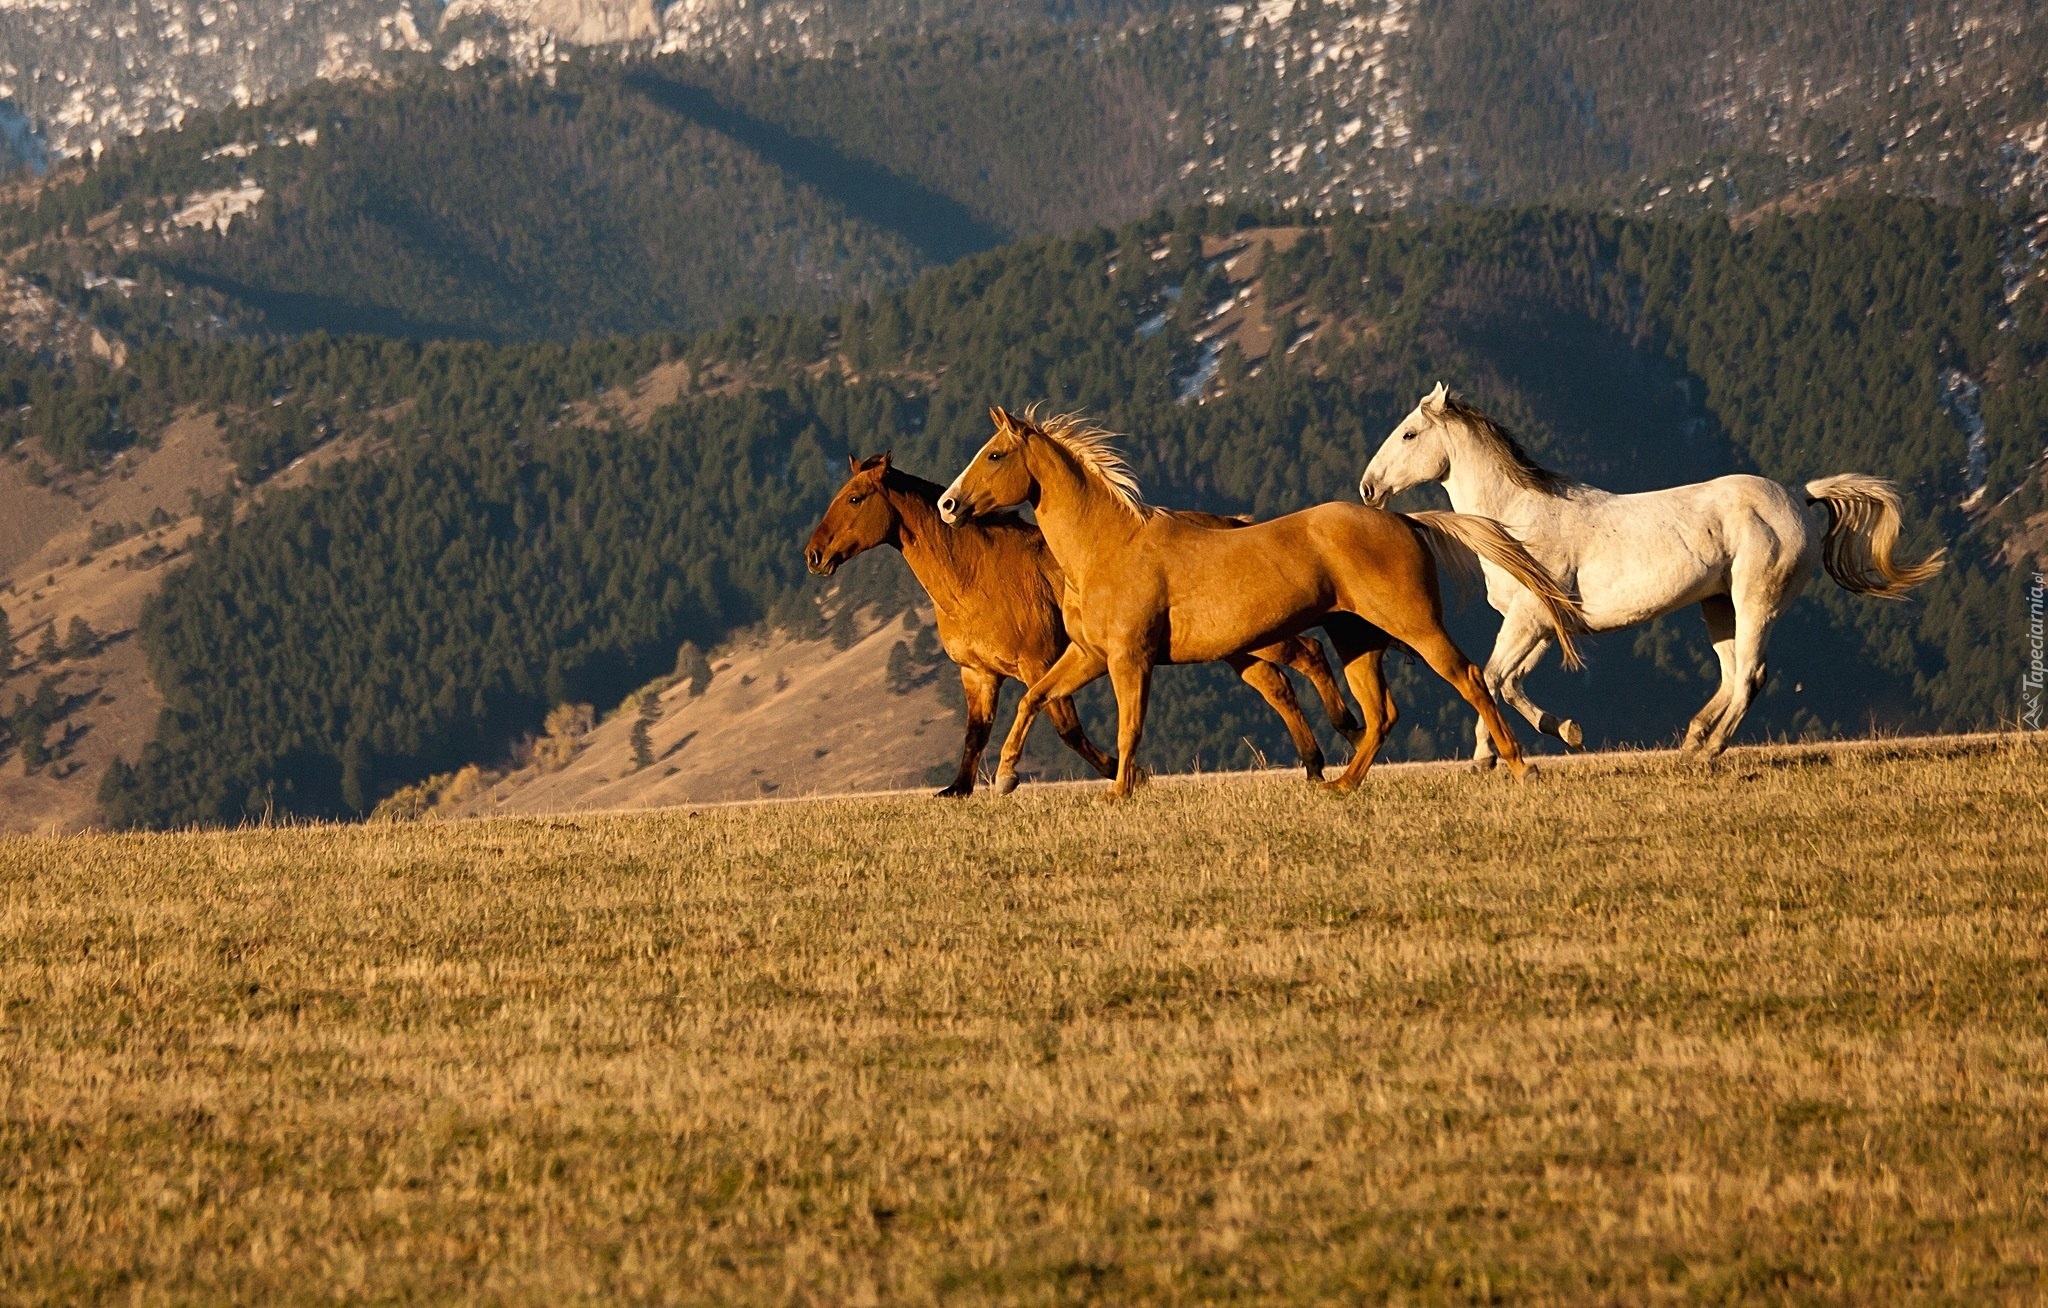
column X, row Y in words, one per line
column 416, row 610
column 757, row 172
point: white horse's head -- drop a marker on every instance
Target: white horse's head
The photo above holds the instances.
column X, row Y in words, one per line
column 1415, row 452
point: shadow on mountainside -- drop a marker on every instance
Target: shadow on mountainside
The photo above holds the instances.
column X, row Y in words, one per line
column 941, row 228
column 302, row 311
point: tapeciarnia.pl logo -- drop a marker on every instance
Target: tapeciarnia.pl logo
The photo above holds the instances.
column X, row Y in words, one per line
column 2035, row 677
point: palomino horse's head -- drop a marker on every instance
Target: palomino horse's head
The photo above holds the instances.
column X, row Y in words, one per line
column 1415, row 453
column 996, row 478
column 859, row 518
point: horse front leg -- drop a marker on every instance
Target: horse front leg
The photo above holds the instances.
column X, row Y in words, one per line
column 1274, row 688
column 1131, row 676
column 1305, row 655
column 1066, row 720
column 1073, row 669
column 1753, row 622
column 1524, row 639
column 982, row 688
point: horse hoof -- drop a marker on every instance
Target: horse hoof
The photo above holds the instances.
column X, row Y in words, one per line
column 1484, row 762
column 1337, row 787
column 958, row 790
column 1568, row 731
column 1005, row 782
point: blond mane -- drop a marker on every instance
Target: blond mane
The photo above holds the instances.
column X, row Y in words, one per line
column 1092, row 448
column 1514, row 461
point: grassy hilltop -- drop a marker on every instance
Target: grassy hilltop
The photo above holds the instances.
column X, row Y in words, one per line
column 1768, row 1030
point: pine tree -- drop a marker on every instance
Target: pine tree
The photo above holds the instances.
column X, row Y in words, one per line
column 642, row 738
column 692, row 666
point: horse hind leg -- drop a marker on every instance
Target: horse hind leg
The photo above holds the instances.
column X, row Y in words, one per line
column 1436, row 648
column 1719, row 611
column 1360, row 648
column 1276, row 690
column 1752, row 633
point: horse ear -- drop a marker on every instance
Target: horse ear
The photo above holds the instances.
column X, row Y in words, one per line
column 882, row 461
column 1435, row 399
column 853, row 463
column 999, row 416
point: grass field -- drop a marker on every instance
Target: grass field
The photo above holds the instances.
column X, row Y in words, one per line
column 1773, row 1030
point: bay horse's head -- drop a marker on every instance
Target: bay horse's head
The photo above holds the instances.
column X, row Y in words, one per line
column 996, row 477
column 859, row 518
column 1415, row 452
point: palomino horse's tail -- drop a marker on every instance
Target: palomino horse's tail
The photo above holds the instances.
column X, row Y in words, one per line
column 1460, row 540
column 1863, row 526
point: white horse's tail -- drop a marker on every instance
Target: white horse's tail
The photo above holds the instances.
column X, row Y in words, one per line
column 1460, row 540
column 1863, row 526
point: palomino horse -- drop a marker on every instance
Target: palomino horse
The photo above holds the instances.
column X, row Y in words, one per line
column 1146, row 586
column 997, row 591
column 1740, row 547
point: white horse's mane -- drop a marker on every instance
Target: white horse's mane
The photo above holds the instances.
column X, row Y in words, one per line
column 1092, row 448
column 1515, row 463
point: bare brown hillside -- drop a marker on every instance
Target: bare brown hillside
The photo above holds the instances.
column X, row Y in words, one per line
column 781, row 717
column 60, row 563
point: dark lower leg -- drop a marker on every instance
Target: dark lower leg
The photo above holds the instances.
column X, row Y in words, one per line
column 1305, row 655
column 1273, row 687
column 1067, row 722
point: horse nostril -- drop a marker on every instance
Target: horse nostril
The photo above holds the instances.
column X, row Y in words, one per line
column 949, row 505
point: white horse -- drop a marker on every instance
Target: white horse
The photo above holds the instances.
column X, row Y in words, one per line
column 1740, row 547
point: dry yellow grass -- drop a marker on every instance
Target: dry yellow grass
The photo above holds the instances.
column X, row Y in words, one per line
column 1770, row 1031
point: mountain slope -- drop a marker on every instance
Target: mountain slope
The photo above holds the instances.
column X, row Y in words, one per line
column 418, row 611
column 764, row 175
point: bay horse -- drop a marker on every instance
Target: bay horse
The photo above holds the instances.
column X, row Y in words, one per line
column 1148, row 586
column 1740, row 547
column 997, row 593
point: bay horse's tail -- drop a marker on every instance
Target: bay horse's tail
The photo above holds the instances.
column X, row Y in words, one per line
column 1459, row 541
column 1863, row 526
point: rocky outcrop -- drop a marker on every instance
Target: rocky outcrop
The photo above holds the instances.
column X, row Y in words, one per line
column 579, row 22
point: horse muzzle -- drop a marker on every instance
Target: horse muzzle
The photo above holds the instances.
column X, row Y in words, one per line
column 1371, row 492
column 820, row 563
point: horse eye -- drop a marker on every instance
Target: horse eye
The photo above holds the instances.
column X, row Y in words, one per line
column 1407, row 435
column 852, row 500
column 995, row 456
